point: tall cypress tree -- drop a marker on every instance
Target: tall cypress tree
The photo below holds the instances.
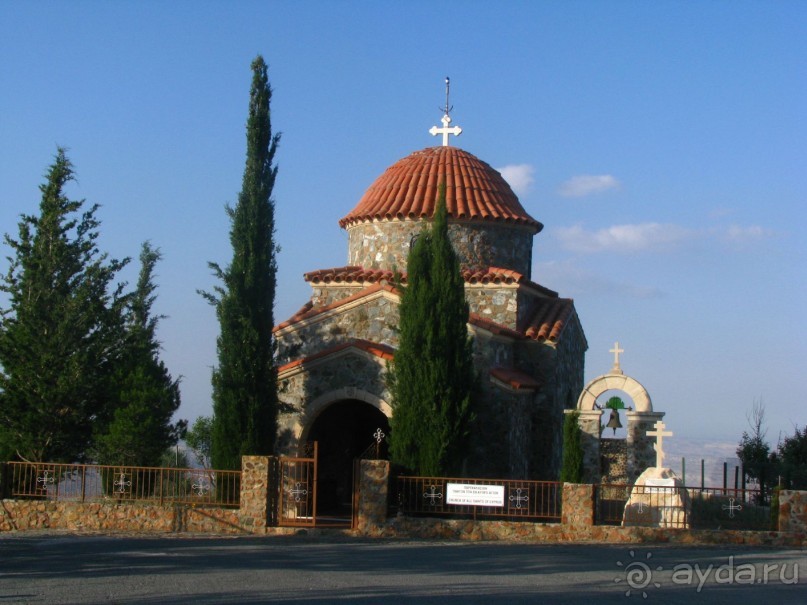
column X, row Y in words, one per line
column 143, row 396
column 572, row 467
column 432, row 377
column 60, row 338
column 245, row 381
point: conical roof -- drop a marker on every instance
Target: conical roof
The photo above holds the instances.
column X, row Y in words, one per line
column 408, row 190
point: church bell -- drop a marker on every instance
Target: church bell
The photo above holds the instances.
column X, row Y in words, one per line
column 613, row 421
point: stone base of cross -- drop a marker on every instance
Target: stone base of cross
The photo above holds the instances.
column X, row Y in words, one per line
column 659, row 433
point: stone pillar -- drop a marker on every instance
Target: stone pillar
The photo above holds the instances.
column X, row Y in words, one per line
column 793, row 511
column 372, row 498
column 641, row 454
column 254, row 504
column 589, row 422
column 577, row 508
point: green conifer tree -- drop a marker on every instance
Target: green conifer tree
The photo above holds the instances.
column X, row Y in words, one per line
column 143, row 396
column 572, row 465
column 245, row 381
column 60, row 336
column 432, row 376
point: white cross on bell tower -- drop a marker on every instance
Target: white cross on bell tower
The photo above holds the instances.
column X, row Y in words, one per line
column 616, row 351
column 446, row 120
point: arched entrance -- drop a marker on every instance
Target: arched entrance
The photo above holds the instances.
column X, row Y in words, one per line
column 344, row 431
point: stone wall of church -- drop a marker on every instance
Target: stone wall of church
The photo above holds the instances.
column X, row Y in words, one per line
column 495, row 304
column 374, row 320
column 566, row 385
column 356, row 371
column 325, row 294
column 385, row 244
column 509, row 436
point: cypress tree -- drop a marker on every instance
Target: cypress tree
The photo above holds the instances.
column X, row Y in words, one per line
column 60, row 337
column 144, row 396
column 432, row 377
column 572, row 466
column 245, row 381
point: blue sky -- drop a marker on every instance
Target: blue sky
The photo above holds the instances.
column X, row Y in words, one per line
column 663, row 145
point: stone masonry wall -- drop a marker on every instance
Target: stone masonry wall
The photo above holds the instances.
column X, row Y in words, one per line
column 250, row 517
column 641, row 454
column 498, row 304
column 385, row 244
column 352, row 370
column 793, row 511
column 577, row 518
column 325, row 294
column 375, row 320
column 614, row 460
column 566, row 383
column 373, row 494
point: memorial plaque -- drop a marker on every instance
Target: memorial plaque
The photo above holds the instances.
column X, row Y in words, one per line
column 650, row 483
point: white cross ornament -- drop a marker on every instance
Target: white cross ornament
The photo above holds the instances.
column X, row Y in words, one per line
column 445, row 130
column 616, row 351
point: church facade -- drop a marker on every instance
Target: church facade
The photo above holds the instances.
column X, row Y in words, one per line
column 529, row 344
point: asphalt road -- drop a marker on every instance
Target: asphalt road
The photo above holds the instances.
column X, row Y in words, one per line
column 48, row 568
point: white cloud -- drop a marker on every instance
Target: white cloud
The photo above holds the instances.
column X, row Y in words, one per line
column 736, row 234
column 586, row 184
column 518, row 176
column 621, row 238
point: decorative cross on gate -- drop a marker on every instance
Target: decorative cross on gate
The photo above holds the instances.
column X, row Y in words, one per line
column 731, row 507
column 122, row 484
column 299, row 490
column 518, row 498
column 659, row 433
column 45, row 479
column 433, row 495
column 200, row 488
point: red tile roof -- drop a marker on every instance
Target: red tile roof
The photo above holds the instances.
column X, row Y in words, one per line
column 359, row 275
column 408, row 190
column 515, row 378
column 549, row 318
column 351, row 275
column 379, row 350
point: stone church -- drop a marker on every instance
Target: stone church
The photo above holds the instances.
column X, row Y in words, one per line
column 529, row 345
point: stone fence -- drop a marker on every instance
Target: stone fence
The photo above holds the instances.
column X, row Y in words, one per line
column 254, row 516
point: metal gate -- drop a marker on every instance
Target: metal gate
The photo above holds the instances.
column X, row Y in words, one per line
column 297, row 502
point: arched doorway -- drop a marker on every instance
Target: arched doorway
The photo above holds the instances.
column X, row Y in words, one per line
column 344, row 431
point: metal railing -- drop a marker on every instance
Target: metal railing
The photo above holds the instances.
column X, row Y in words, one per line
column 668, row 506
column 90, row 482
column 480, row 498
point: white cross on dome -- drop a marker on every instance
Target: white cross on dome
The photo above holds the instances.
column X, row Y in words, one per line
column 446, row 120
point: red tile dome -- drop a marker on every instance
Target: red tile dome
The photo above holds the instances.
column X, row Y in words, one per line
column 408, row 190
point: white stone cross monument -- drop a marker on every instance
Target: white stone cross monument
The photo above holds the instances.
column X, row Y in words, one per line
column 446, row 120
column 659, row 433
